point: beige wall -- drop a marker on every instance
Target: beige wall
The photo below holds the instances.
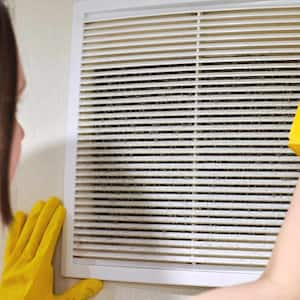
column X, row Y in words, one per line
column 44, row 31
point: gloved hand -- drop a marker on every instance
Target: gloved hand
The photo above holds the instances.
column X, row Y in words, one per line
column 28, row 271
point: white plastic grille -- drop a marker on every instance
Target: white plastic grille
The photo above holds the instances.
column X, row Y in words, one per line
column 182, row 155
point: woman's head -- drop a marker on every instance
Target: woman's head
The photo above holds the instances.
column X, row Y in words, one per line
column 9, row 75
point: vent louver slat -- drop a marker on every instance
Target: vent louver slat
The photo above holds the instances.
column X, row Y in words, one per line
column 183, row 122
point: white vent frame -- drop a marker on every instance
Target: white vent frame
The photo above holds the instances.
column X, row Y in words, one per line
column 204, row 277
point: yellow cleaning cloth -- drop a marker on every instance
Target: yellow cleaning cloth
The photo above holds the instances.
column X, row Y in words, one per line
column 28, row 270
column 294, row 136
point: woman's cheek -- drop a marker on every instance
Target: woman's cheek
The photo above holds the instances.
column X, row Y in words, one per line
column 15, row 150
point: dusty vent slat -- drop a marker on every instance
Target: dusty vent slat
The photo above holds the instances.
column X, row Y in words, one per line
column 143, row 196
column 173, row 251
column 211, row 236
column 239, row 219
column 170, row 258
column 172, row 243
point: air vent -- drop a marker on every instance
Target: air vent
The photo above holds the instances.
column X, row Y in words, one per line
column 182, row 160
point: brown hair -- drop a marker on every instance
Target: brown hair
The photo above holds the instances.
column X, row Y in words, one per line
column 8, row 101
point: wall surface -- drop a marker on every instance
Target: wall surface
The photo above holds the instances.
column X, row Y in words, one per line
column 44, row 33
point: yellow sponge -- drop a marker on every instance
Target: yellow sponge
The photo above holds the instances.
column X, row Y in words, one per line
column 294, row 136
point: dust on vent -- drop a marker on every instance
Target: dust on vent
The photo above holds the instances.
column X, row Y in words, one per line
column 182, row 155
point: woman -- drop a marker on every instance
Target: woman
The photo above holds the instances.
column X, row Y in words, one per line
column 27, row 269
column 28, row 272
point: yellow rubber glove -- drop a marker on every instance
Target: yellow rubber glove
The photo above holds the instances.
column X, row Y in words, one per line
column 28, row 271
column 294, row 136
